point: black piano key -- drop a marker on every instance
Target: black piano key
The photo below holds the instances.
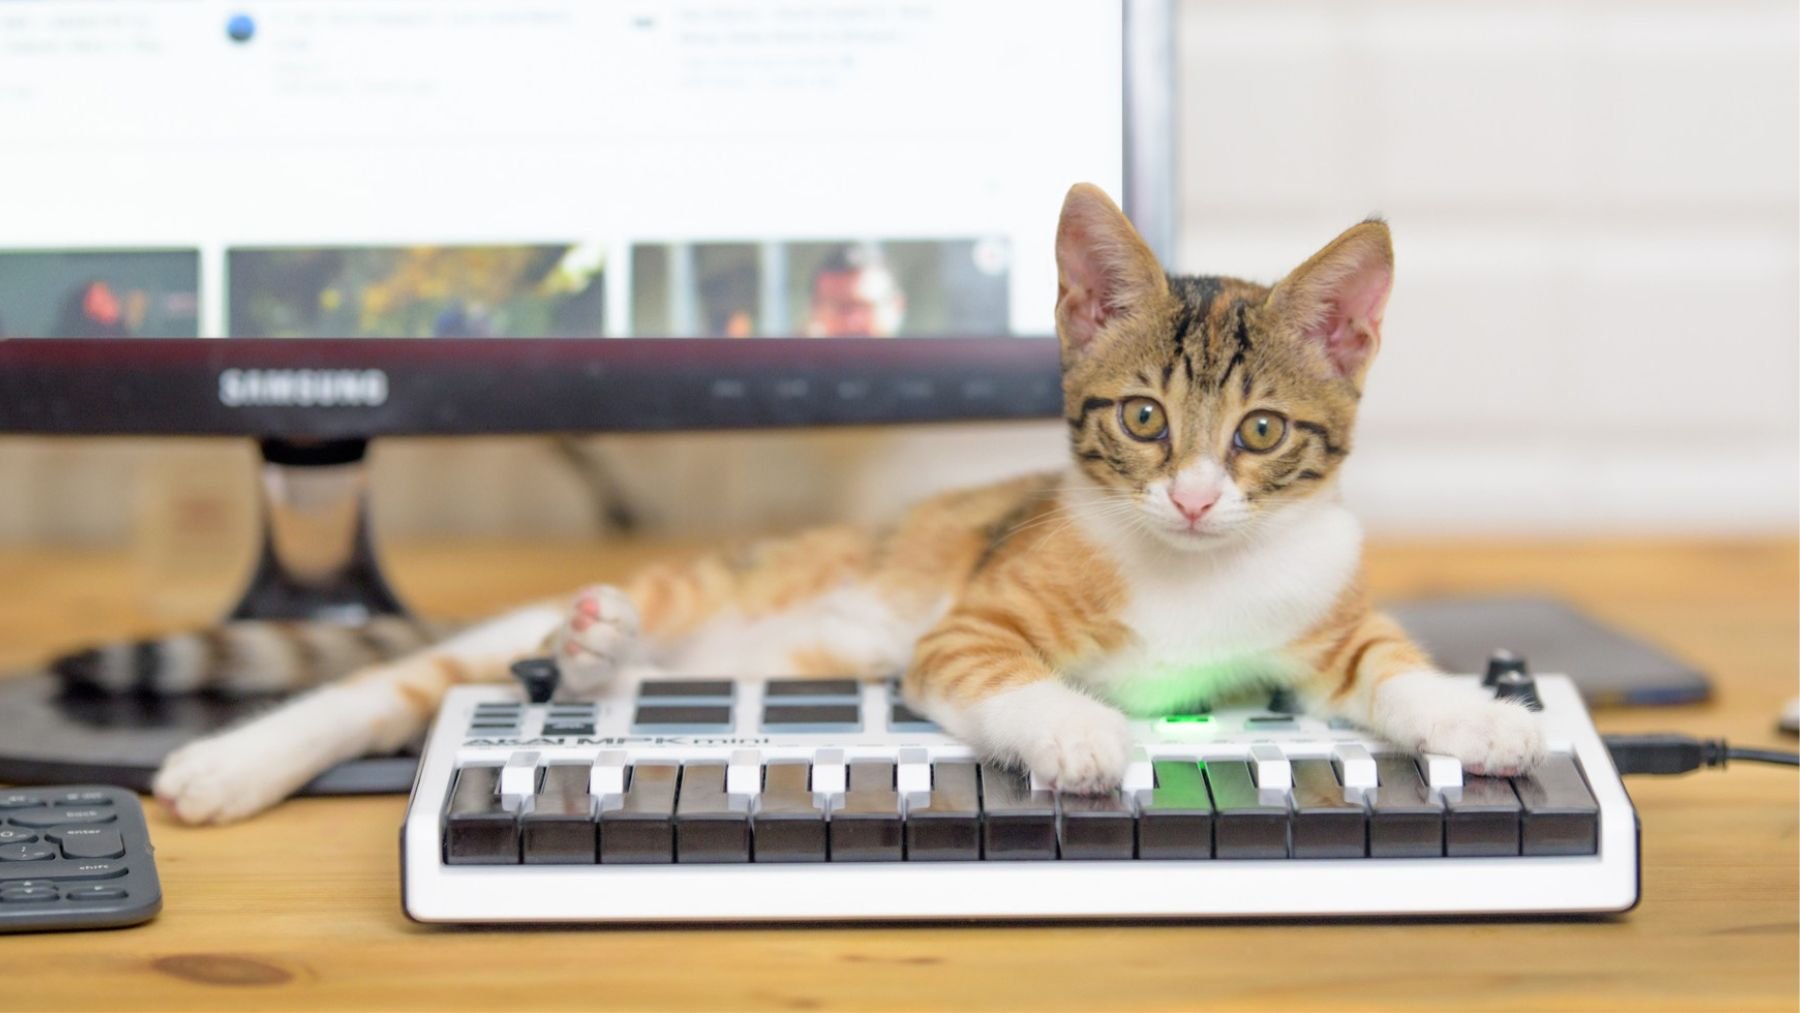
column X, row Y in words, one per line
column 1405, row 820
column 1017, row 824
column 947, row 828
column 1175, row 822
column 1097, row 826
column 641, row 830
column 868, row 827
column 1324, row 824
column 558, row 828
column 477, row 828
column 1560, row 814
column 707, row 827
column 789, row 826
column 1484, row 821
column 785, row 690
column 1243, row 825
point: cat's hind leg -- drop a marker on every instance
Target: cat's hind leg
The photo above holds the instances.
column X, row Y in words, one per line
column 598, row 637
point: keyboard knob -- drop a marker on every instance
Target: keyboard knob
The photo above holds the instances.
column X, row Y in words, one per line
column 538, row 676
column 1502, row 662
column 1518, row 686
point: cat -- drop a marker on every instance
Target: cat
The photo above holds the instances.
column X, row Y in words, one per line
column 1195, row 547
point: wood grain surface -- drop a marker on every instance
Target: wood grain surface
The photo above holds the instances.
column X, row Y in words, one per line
column 300, row 908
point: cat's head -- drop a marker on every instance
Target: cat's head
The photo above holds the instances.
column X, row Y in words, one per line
column 1200, row 408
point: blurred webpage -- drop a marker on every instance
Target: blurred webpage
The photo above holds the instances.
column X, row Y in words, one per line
column 529, row 167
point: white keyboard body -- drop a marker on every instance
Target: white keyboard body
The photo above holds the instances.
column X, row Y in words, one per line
column 518, row 744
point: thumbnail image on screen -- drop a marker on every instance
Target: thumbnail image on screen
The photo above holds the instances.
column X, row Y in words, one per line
column 100, row 294
column 418, row 291
column 843, row 289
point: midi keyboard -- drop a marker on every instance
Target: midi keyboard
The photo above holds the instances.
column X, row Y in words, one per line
column 745, row 799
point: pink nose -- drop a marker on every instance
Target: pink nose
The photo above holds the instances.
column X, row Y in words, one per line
column 1193, row 503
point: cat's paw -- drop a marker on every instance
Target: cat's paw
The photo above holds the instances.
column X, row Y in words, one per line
column 1070, row 741
column 1435, row 715
column 594, row 641
column 221, row 779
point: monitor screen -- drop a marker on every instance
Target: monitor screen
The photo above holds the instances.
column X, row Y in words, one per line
column 476, row 170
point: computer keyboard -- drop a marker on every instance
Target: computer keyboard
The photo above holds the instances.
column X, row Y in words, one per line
column 744, row 799
column 74, row 857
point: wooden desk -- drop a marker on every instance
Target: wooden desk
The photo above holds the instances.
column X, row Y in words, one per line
column 300, row 908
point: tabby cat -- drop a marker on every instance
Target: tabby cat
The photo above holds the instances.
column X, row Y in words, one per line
column 1194, row 547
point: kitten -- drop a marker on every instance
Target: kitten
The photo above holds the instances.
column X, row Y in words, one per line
column 1195, row 547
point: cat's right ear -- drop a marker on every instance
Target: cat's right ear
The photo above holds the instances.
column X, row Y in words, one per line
column 1103, row 269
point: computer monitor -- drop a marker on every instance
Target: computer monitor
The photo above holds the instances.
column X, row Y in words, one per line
column 316, row 223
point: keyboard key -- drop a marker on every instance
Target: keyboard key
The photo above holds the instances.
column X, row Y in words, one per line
column 478, row 829
column 1244, row 824
column 789, row 825
column 1355, row 768
column 1175, row 821
column 1324, row 824
column 1097, row 826
column 89, row 842
column 721, row 690
column 1271, row 769
column 13, row 835
column 40, row 818
column 1484, row 821
column 20, row 800
column 707, row 827
column 28, row 894
column 519, row 779
column 93, row 893
column 1406, row 820
column 81, row 798
column 34, row 852
column 805, row 718
column 558, row 827
column 681, row 719
column 1560, row 814
column 787, row 690
column 1017, row 824
column 641, row 830
column 59, row 871
column 947, row 828
column 868, row 828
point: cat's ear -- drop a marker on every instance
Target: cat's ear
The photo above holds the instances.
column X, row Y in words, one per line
column 1337, row 298
column 1103, row 269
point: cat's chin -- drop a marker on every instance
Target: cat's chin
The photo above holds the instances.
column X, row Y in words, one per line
column 1190, row 540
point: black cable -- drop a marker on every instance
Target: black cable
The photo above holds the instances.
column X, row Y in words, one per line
column 1678, row 754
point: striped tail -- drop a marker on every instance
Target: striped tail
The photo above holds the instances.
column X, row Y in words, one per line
column 245, row 658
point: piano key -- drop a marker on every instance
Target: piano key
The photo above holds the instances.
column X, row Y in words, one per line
column 1560, row 814
column 1442, row 773
column 681, row 719
column 811, row 718
column 1244, row 824
column 1406, row 819
column 708, row 828
column 1325, row 824
column 478, row 829
column 687, row 690
column 789, row 824
column 519, row 779
column 606, row 778
column 744, row 774
column 1271, row 769
column 1097, row 826
column 558, row 827
column 1355, row 768
column 1176, row 820
column 912, row 775
column 641, row 829
column 1018, row 823
column 946, row 827
column 1484, row 821
column 1140, row 776
column 867, row 827
column 792, row 690
column 830, row 776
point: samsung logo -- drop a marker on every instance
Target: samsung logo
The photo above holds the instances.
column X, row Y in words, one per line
column 302, row 388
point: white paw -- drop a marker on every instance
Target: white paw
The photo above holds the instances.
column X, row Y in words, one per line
column 1432, row 714
column 1070, row 741
column 594, row 640
column 221, row 779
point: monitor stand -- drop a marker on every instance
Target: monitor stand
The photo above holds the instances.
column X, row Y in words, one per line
column 317, row 563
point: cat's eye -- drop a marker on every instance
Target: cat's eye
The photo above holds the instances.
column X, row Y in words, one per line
column 1143, row 419
column 1261, row 432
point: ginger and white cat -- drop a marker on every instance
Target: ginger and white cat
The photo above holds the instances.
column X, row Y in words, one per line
column 1194, row 546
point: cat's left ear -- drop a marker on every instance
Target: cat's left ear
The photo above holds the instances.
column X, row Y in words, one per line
column 1337, row 298
column 1104, row 270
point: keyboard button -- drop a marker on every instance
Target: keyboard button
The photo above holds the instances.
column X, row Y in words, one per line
column 787, row 690
column 947, row 827
column 708, row 828
column 1175, row 821
column 789, row 825
column 1271, row 723
column 812, row 718
column 1017, row 824
column 1097, row 826
column 606, row 778
column 478, row 830
column 1484, row 821
column 1560, row 814
column 27, row 894
column 902, row 718
column 89, row 842
column 867, row 827
column 558, row 826
column 1324, row 824
column 41, row 818
column 721, row 690
column 519, row 779
column 35, row 852
column 1406, row 820
column 20, row 800
column 1442, row 773
column 1355, row 768
column 1271, row 770
column 81, row 798
column 641, row 830
column 568, row 729
column 1245, row 825
column 59, row 871
column 681, row 719
column 93, row 893
column 744, row 775
column 13, row 835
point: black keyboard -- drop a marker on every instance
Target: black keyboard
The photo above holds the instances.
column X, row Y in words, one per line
column 75, row 857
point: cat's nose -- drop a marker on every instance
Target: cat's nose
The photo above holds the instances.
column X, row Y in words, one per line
column 1193, row 503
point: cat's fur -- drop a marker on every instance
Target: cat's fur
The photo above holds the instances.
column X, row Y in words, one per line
column 1029, row 614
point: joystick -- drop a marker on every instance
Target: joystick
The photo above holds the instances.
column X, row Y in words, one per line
column 538, row 676
column 1500, row 663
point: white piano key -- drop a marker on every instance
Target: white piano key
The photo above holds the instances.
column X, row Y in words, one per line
column 1273, row 772
column 1356, row 767
column 744, row 774
column 1140, row 775
column 518, row 779
column 830, row 778
column 912, row 772
column 1444, row 774
column 606, row 781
